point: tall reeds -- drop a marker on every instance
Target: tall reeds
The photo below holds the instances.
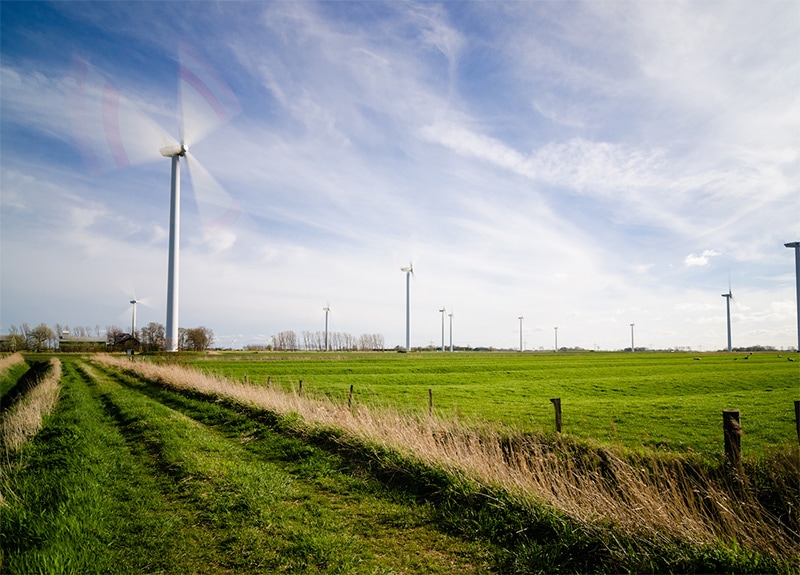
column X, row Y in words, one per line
column 658, row 497
column 24, row 418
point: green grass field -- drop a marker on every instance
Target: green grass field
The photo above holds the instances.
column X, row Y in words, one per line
column 127, row 477
column 662, row 400
column 136, row 470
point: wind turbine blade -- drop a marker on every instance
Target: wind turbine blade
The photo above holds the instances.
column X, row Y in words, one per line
column 218, row 210
column 206, row 102
column 145, row 302
column 111, row 130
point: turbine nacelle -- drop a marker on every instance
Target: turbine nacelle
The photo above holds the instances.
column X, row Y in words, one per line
column 174, row 150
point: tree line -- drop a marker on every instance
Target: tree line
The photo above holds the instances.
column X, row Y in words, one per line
column 326, row 341
column 151, row 337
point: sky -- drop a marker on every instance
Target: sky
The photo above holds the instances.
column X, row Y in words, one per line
column 583, row 165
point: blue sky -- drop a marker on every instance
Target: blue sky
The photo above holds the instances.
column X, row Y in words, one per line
column 586, row 165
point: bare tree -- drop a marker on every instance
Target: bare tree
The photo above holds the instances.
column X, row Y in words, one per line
column 15, row 341
column 371, row 341
column 199, row 338
column 153, row 336
column 284, row 341
column 113, row 334
column 39, row 337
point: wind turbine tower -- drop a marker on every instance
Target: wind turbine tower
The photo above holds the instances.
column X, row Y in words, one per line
column 556, row 347
column 408, row 271
column 442, row 312
column 796, row 246
column 133, row 319
column 728, row 296
column 633, row 348
column 327, row 310
column 520, row 332
column 451, row 331
column 176, row 152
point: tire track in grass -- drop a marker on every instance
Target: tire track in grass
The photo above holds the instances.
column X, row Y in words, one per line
column 276, row 502
column 83, row 502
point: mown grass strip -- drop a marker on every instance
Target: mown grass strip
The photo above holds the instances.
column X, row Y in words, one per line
column 83, row 502
column 277, row 503
column 593, row 542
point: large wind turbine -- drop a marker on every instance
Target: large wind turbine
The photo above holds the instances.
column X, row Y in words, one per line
column 206, row 102
column 728, row 297
column 176, row 152
column 112, row 132
column 408, row 271
column 520, row 331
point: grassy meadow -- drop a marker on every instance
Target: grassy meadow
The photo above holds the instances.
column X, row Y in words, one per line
column 224, row 463
column 663, row 400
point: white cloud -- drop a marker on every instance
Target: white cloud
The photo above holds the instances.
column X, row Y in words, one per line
column 552, row 160
column 704, row 259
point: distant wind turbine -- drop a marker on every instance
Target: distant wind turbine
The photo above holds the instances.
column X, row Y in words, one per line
column 556, row 330
column 728, row 297
column 520, row 332
column 408, row 271
column 633, row 347
column 442, row 312
column 327, row 310
column 451, row 331
column 796, row 246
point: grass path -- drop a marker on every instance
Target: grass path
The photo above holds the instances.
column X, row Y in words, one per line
column 130, row 478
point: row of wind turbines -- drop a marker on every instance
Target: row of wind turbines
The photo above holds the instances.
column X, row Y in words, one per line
column 409, row 271
column 206, row 102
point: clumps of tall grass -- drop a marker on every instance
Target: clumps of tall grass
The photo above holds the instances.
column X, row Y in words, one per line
column 10, row 360
column 662, row 499
column 24, row 419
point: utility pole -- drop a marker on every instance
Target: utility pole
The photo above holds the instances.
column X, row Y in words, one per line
column 796, row 246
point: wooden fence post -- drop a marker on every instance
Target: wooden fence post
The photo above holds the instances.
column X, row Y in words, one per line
column 269, row 381
column 797, row 418
column 556, row 401
column 350, row 397
column 430, row 401
column 733, row 437
column 300, row 392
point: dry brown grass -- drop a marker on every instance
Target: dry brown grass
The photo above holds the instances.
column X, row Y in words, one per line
column 10, row 360
column 663, row 498
column 24, row 419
